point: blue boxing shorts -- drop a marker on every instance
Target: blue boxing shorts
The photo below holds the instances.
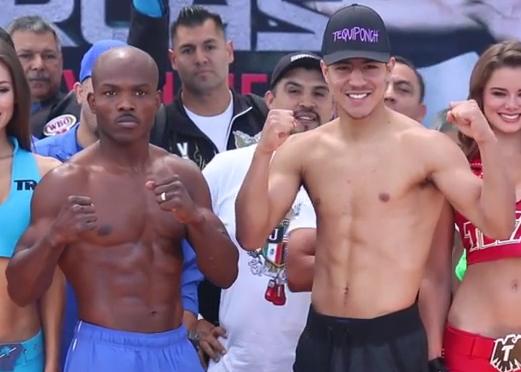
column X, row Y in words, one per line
column 100, row 349
column 24, row 356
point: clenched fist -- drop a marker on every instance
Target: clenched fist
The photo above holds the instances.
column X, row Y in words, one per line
column 278, row 126
column 172, row 196
column 76, row 216
column 468, row 118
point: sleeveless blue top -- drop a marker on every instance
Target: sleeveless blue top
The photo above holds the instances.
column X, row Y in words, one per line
column 15, row 211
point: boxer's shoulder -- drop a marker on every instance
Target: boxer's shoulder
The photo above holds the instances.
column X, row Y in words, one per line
column 64, row 178
column 174, row 163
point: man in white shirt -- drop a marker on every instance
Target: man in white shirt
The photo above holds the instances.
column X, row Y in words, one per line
column 257, row 311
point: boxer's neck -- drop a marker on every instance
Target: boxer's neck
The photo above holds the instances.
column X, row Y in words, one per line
column 132, row 155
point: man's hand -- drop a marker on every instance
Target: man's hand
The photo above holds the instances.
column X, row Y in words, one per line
column 277, row 128
column 77, row 215
column 208, row 335
column 468, row 118
column 172, row 196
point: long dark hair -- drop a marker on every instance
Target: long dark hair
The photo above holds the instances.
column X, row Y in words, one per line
column 18, row 126
column 504, row 54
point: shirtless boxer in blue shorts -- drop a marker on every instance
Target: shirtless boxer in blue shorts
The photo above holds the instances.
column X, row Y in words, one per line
column 113, row 218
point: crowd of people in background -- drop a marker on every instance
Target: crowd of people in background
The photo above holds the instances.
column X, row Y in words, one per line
column 319, row 228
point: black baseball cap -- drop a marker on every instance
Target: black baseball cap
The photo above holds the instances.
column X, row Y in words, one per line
column 291, row 61
column 355, row 31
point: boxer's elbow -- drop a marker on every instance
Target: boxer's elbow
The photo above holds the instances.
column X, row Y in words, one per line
column 503, row 233
column 250, row 240
column 227, row 278
column 227, row 274
column 298, row 285
column 498, row 222
column 233, row 272
column 500, row 229
column 507, row 228
column 299, row 275
column 17, row 287
column 19, row 298
column 250, row 234
column 244, row 238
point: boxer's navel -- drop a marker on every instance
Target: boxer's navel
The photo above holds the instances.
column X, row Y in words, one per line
column 383, row 196
column 346, row 294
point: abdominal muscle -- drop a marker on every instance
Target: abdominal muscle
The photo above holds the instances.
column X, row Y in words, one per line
column 363, row 273
column 130, row 286
column 16, row 323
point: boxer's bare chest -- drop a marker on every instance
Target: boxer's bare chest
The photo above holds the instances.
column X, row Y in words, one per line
column 365, row 180
column 127, row 211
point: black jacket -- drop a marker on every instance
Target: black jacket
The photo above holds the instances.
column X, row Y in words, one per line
column 177, row 133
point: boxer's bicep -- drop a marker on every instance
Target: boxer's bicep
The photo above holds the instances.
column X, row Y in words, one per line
column 463, row 190
column 452, row 175
column 45, row 205
column 284, row 182
column 52, row 192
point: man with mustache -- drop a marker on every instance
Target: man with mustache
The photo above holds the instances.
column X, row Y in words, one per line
column 258, row 310
column 114, row 218
column 63, row 146
column 406, row 90
column 38, row 48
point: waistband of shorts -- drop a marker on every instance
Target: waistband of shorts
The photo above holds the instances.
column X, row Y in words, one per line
column 467, row 343
column 387, row 326
column 32, row 348
column 92, row 332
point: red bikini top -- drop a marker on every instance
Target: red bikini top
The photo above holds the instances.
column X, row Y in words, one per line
column 481, row 248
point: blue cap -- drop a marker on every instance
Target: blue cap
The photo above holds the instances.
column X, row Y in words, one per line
column 89, row 59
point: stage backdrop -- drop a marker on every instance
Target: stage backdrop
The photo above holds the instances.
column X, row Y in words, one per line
column 442, row 37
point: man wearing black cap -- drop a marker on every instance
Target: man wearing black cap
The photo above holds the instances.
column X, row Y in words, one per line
column 258, row 309
column 377, row 181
